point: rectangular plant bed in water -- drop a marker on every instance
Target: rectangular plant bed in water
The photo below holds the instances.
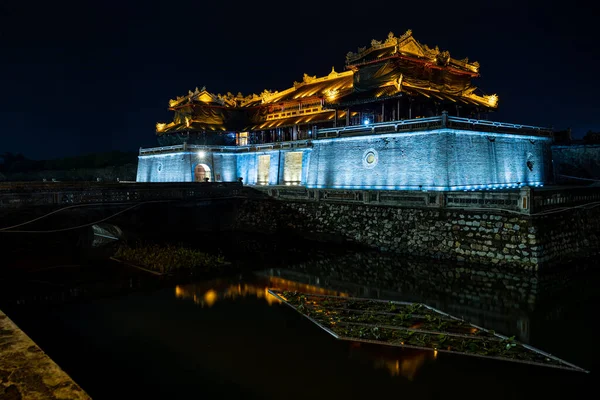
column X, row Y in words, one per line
column 412, row 325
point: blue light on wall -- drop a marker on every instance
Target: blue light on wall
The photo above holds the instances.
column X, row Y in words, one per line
column 441, row 159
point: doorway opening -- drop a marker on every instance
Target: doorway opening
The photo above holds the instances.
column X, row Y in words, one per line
column 201, row 173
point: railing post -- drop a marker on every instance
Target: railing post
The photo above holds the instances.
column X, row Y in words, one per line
column 444, row 119
column 525, row 199
column 441, row 200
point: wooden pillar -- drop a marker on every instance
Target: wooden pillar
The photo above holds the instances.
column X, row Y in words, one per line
column 410, row 103
column 398, row 108
column 348, row 116
column 335, row 118
column 382, row 111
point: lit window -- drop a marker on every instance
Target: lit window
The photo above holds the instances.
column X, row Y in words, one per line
column 242, row 139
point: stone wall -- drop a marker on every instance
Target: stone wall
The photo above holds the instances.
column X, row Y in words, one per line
column 26, row 372
column 437, row 159
column 576, row 161
column 493, row 296
column 561, row 236
column 173, row 167
column 484, row 237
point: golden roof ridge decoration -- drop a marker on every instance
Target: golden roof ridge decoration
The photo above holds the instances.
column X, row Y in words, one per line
column 161, row 126
column 408, row 44
column 201, row 95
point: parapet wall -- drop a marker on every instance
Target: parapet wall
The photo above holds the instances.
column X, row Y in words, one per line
column 434, row 159
column 576, row 163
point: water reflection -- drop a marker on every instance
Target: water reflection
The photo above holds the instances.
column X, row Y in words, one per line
column 206, row 294
column 496, row 298
column 404, row 363
column 238, row 336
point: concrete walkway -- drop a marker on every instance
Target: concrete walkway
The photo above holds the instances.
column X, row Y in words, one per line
column 26, row 372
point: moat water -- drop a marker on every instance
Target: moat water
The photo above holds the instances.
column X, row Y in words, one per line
column 121, row 333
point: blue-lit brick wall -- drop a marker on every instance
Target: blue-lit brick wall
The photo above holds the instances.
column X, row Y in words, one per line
column 438, row 159
column 476, row 159
column 399, row 161
column 246, row 167
column 225, row 166
column 175, row 167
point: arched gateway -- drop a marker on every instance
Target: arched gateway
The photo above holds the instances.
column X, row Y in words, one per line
column 201, row 172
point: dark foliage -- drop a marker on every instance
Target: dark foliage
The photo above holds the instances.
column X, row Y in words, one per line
column 13, row 163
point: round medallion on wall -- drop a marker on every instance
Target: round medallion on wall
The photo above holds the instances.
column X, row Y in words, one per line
column 159, row 167
column 370, row 158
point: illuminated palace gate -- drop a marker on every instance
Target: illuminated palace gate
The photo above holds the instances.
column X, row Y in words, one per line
column 438, row 159
column 402, row 115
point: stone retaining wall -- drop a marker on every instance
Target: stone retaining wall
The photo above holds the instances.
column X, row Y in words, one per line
column 561, row 236
column 471, row 236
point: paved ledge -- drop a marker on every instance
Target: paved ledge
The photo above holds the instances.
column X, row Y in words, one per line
column 26, row 372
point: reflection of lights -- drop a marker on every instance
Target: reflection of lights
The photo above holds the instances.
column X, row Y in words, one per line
column 210, row 297
column 220, row 290
column 407, row 367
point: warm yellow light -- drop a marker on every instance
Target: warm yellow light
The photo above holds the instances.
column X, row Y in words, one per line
column 187, row 121
column 492, row 100
column 179, row 292
column 221, row 290
column 331, row 94
column 160, row 126
column 210, row 297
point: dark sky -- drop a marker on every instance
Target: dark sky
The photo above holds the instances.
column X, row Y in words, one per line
column 87, row 76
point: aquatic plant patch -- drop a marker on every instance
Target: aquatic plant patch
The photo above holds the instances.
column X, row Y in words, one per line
column 170, row 258
column 413, row 325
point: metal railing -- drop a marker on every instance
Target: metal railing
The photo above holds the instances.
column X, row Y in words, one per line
column 400, row 126
column 552, row 199
column 438, row 122
column 525, row 200
column 288, row 145
column 253, row 147
column 506, row 201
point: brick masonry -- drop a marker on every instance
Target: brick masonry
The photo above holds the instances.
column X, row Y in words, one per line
column 490, row 237
column 438, row 159
column 26, row 372
column 581, row 161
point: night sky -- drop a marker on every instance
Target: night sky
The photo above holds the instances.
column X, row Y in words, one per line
column 88, row 76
